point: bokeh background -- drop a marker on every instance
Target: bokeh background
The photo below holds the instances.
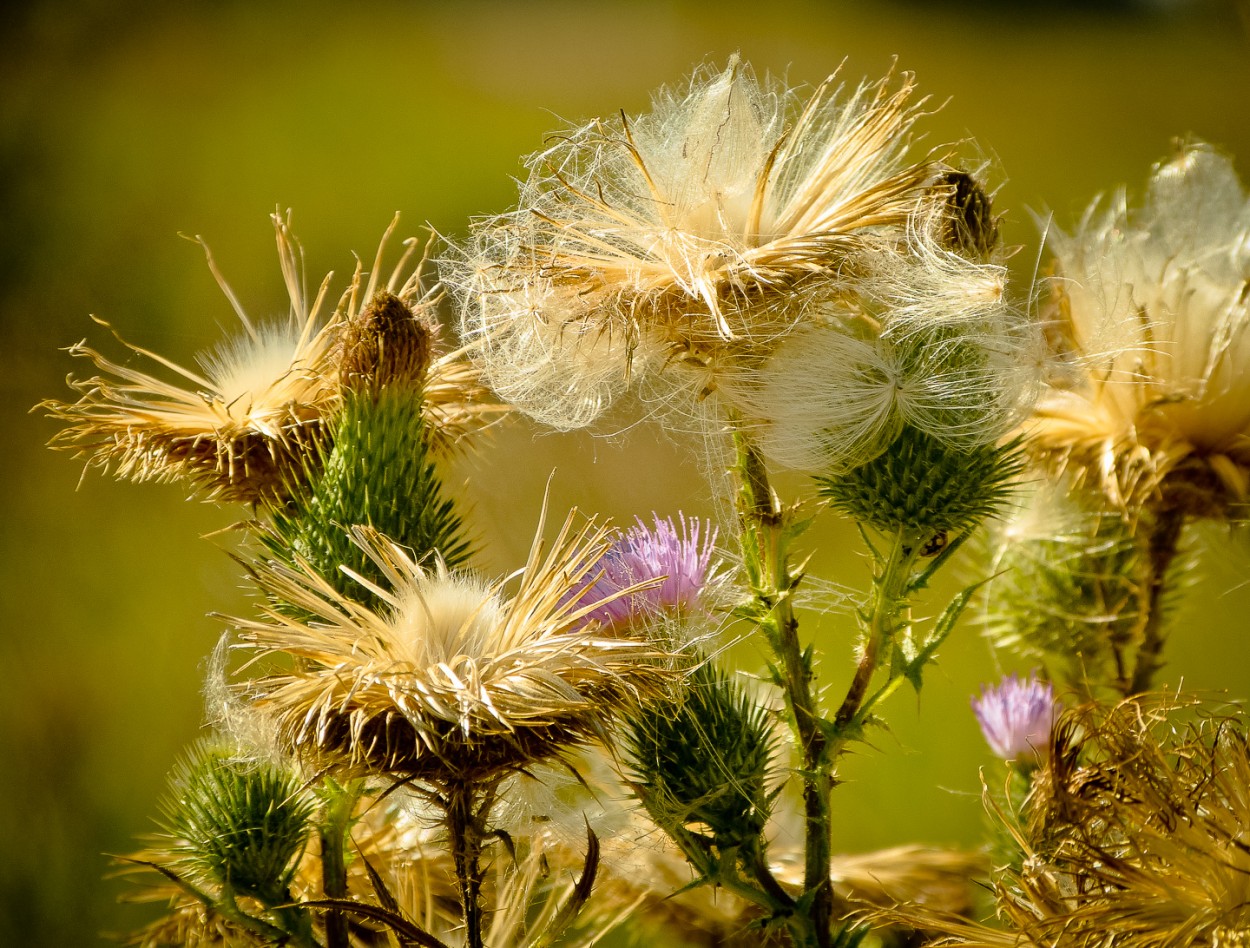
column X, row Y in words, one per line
column 124, row 124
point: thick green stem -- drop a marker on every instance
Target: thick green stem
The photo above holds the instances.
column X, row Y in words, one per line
column 764, row 541
column 332, row 833
column 1162, row 546
column 293, row 924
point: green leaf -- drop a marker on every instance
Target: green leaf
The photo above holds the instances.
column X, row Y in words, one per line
column 942, row 628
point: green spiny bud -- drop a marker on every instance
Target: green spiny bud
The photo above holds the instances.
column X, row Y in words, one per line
column 924, row 485
column 703, row 759
column 379, row 473
column 1072, row 586
column 239, row 824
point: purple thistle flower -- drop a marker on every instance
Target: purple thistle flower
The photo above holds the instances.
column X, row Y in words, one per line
column 675, row 556
column 1017, row 716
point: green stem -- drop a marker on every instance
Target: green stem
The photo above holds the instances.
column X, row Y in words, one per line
column 762, row 889
column 293, row 924
column 332, row 831
column 1162, row 546
column 764, row 541
column 887, row 601
column 720, row 867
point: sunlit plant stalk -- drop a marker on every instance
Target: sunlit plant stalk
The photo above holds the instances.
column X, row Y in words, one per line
column 339, row 801
column 767, row 529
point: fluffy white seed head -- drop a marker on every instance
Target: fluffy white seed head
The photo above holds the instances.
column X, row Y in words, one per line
column 1151, row 311
column 696, row 235
column 924, row 338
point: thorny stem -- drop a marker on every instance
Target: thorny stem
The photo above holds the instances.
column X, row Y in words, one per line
column 781, row 901
column 764, row 541
column 1164, row 541
column 763, row 890
column 889, row 589
column 721, row 867
column 466, row 852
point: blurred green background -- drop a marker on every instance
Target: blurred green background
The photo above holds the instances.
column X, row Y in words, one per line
column 123, row 124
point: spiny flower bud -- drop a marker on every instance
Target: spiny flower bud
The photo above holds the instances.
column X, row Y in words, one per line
column 386, row 344
column 702, row 760
column 238, row 823
column 1070, row 588
column 925, row 485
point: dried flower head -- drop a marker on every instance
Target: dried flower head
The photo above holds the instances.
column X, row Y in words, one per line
column 667, row 568
column 1133, row 834
column 229, row 428
column 249, row 420
column 1016, row 717
column 447, row 679
column 702, row 229
column 1150, row 312
column 1138, row 831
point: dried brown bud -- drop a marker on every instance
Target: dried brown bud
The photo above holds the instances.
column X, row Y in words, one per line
column 386, row 344
column 970, row 227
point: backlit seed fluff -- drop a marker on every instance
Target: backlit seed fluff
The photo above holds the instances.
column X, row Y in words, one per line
column 706, row 226
column 923, row 337
column 448, row 679
column 229, row 427
column 1150, row 311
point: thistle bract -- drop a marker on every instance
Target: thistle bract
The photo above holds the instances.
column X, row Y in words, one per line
column 925, row 486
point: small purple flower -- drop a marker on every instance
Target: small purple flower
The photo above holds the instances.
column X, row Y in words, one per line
column 1016, row 717
column 675, row 556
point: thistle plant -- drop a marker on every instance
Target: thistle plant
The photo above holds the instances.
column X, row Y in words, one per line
column 410, row 751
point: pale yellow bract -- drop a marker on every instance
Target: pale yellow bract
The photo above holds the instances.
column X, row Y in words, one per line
column 229, row 428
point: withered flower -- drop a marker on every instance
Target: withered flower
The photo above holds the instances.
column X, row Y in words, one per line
column 694, row 235
column 1149, row 320
column 235, row 427
column 448, row 679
